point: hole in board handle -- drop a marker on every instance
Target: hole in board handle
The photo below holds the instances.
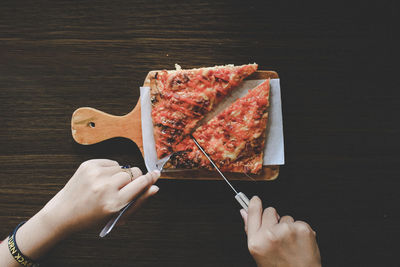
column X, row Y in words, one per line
column 92, row 124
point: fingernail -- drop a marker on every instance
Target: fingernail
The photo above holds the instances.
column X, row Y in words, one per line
column 154, row 189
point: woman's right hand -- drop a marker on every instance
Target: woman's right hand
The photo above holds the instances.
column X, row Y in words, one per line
column 279, row 242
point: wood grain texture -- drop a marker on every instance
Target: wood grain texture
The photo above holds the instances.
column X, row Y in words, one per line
column 90, row 126
column 340, row 109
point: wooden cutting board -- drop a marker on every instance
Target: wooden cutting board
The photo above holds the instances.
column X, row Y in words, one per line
column 90, row 126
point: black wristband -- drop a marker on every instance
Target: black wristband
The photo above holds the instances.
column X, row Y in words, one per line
column 16, row 253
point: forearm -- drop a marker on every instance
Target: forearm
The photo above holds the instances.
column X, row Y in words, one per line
column 34, row 239
column 5, row 257
column 98, row 189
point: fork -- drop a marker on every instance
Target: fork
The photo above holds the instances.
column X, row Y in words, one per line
column 111, row 223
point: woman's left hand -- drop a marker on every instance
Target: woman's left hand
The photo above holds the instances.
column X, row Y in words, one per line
column 97, row 190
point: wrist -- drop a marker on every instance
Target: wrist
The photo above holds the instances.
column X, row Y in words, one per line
column 34, row 238
column 55, row 225
column 263, row 263
column 41, row 232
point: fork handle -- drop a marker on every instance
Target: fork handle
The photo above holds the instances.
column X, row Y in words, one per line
column 111, row 223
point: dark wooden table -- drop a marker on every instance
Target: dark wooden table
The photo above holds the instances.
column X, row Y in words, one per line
column 340, row 108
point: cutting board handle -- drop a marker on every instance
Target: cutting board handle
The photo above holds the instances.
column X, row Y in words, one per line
column 90, row 126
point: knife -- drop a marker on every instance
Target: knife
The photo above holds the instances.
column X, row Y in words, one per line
column 240, row 197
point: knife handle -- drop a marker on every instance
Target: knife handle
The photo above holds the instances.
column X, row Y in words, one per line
column 243, row 200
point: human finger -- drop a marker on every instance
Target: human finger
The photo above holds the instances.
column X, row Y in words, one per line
column 286, row 219
column 136, row 172
column 151, row 191
column 303, row 228
column 132, row 189
column 121, row 179
column 243, row 213
column 254, row 215
column 125, row 176
column 270, row 217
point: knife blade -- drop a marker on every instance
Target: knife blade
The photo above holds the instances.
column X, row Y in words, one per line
column 240, row 197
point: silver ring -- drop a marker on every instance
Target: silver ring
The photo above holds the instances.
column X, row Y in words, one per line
column 128, row 170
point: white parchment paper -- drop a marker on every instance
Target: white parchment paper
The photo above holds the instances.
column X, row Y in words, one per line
column 274, row 147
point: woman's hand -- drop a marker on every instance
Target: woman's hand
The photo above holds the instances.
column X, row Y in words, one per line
column 97, row 190
column 275, row 241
